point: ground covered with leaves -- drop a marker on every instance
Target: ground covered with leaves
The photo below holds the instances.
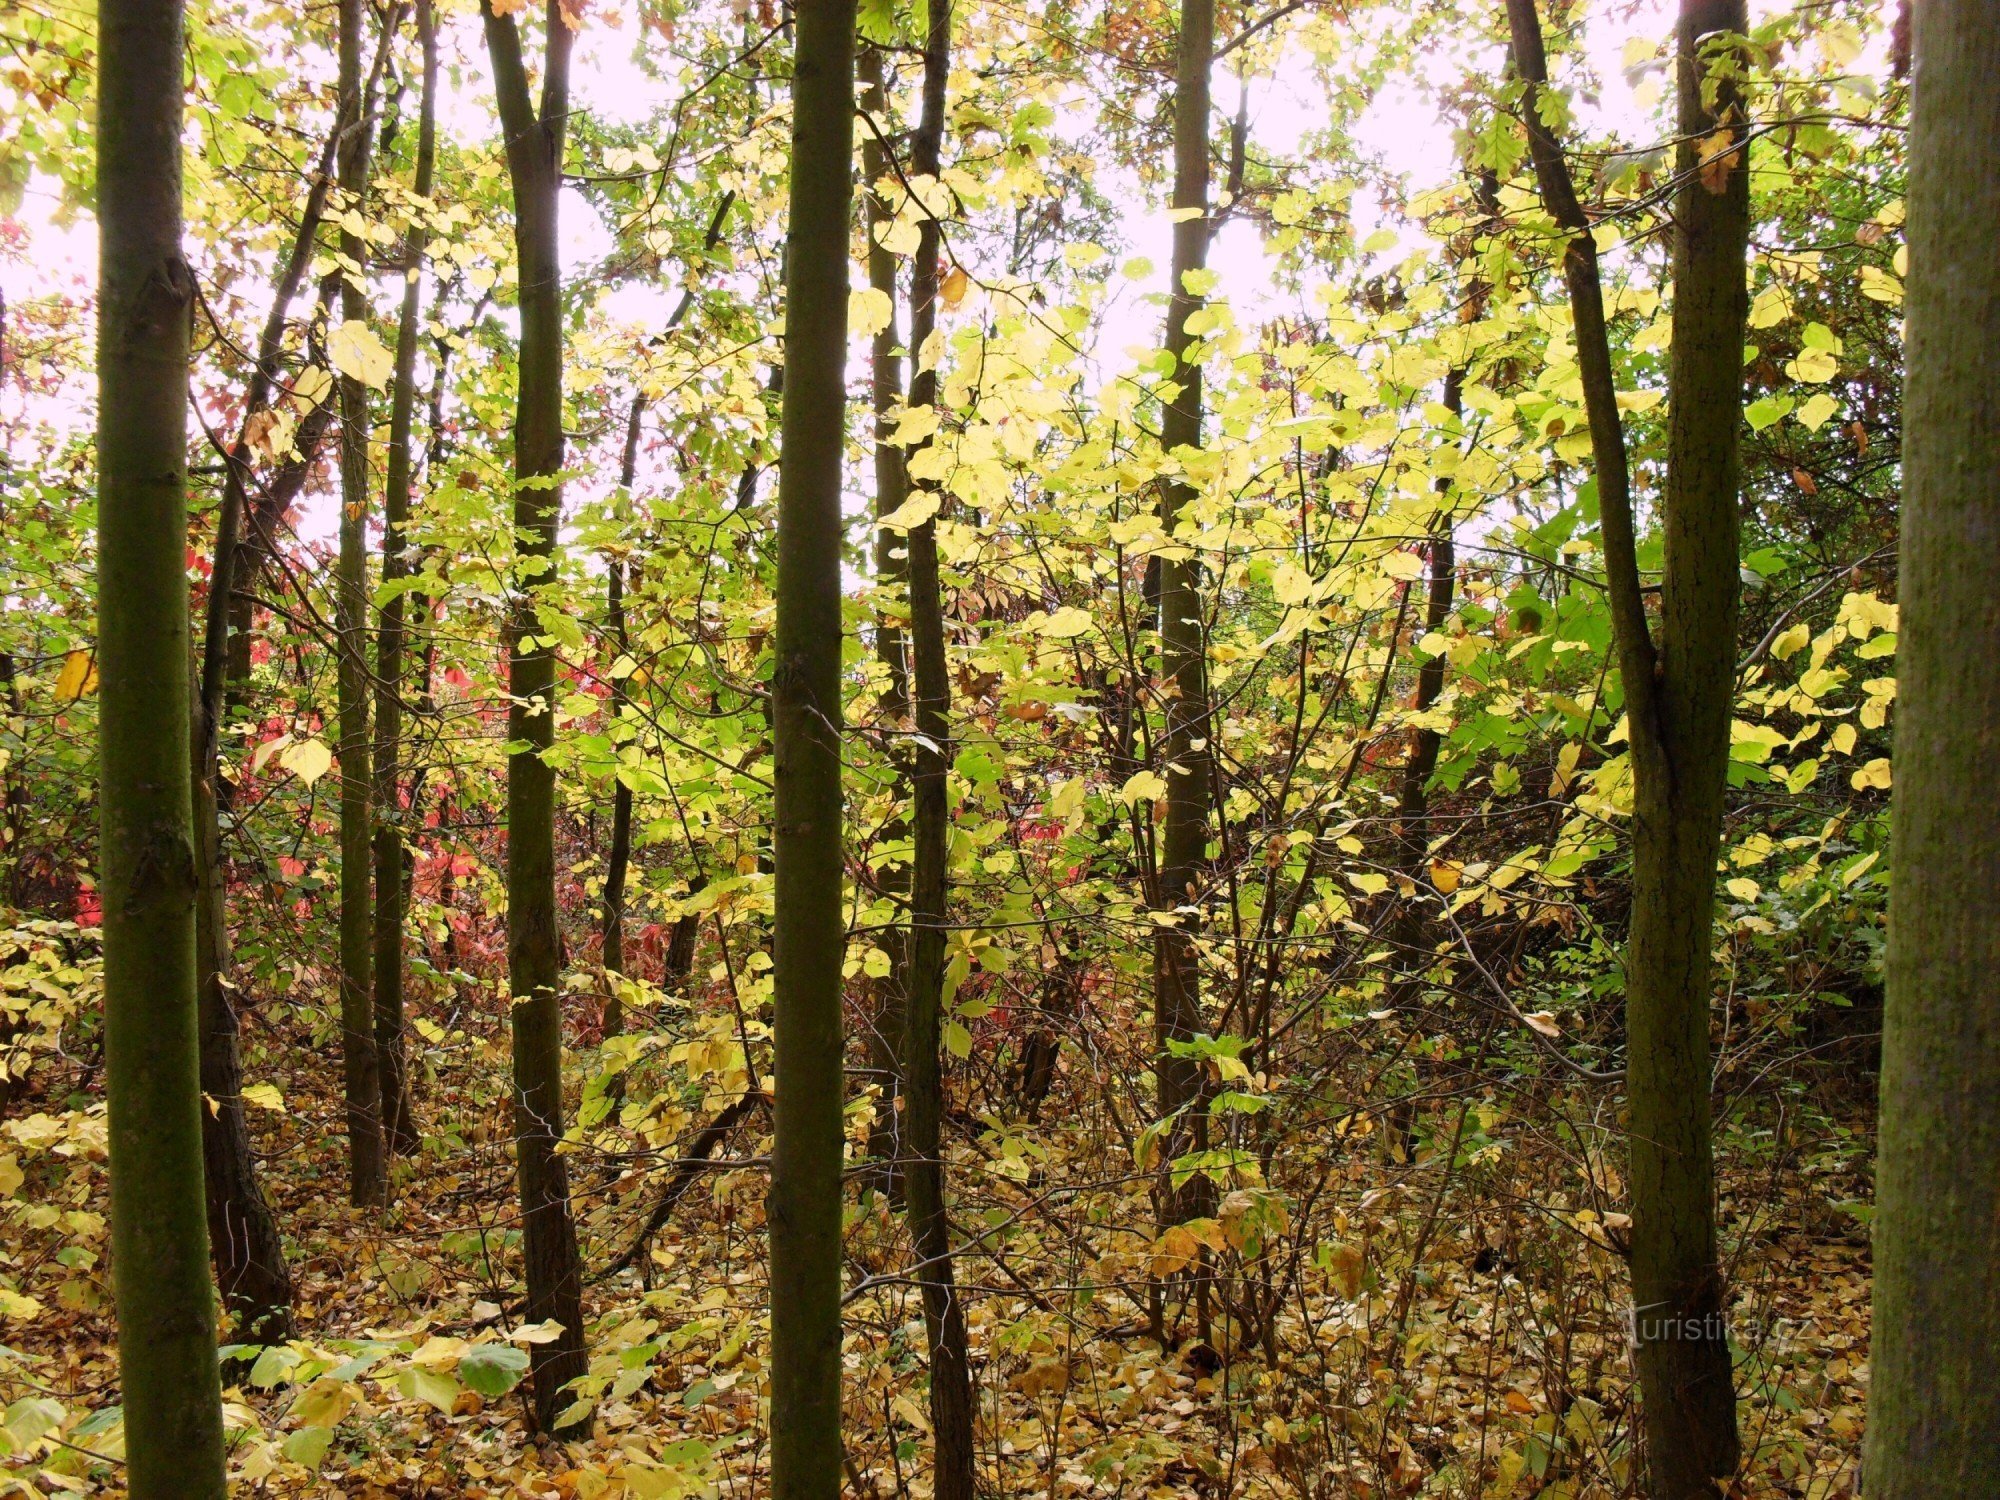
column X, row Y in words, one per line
column 1354, row 1319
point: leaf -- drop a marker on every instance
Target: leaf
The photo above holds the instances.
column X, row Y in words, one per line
column 1066, row 624
column 307, row 759
column 1791, row 642
column 308, row 1446
column 957, row 1040
column 1542, row 1021
column 1368, row 882
column 264, row 1096
column 1874, row 776
column 493, row 1369
column 869, row 311
column 955, row 284
column 912, row 513
column 433, row 1387
column 1143, row 786
column 358, row 354
column 79, row 676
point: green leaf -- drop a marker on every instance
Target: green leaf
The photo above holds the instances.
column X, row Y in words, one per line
column 493, row 1369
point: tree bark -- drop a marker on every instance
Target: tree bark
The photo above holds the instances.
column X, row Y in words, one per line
column 1678, row 694
column 391, row 871
column 808, row 931
column 1185, row 755
column 892, row 574
column 923, row 1064
column 534, row 941
column 1934, row 1408
column 367, row 1166
column 166, row 1311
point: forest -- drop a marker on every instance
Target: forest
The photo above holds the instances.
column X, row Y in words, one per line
column 940, row 749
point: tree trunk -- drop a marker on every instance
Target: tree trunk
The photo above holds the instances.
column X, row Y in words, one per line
column 534, row 941
column 1934, row 1412
column 892, row 574
column 391, row 871
column 808, row 931
column 1678, row 695
column 367, row 1168
column 166, row 1311
column 619, row 856
column 923, row 1066
column 1185, row 754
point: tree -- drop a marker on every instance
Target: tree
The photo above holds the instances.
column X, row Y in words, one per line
column 534, row 942
column 1185, row 753
column 892, row 572
column 1934, row 1408
column 1679, row 689
column 368, row 1182
column 808, row 931
column 166, row 1310
column 923, row 1066
column 391, row 891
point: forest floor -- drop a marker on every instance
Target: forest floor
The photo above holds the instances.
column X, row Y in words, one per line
column 1404, row 1337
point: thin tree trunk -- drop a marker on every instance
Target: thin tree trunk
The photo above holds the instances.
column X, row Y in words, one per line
column 534, row 940
column 1934, row 1408
column 620, row 854
column 391, row 872
column 367, row 1166
column 1678, row 695
column 1185, row 754
column 892, row 573
column 923, row 1064
column 172, row 1392
column 808, row 931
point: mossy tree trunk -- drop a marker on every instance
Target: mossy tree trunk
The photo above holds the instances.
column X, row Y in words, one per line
column 534, row 942
column 166, row 1308
column 809, row 931
column 1934, row 1406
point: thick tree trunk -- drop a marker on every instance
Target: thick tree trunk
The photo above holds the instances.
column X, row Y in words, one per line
column 809, row 933
column 1185, row 755
column 923, row 1064
column 1678, row 695
column 892, row 573
column 391, row 867
column 166, row 1310
column 619, row 856
column 1934, row 1407
column 367, row 1166
column 534, row 941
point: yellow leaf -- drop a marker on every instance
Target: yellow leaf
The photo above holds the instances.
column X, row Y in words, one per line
column 79, row 676
column 912, row 513
column 1143, row 786
column 306, row 759
column 869, row 311
column 1743, row 888
column 1873, row 776
column 953, row 290
column 358, row 354
column 264, row 1096
column 1791, row 642
column 1066, row 623
column 1543, row 1022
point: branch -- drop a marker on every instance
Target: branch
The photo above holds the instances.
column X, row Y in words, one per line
column 1637, row 658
